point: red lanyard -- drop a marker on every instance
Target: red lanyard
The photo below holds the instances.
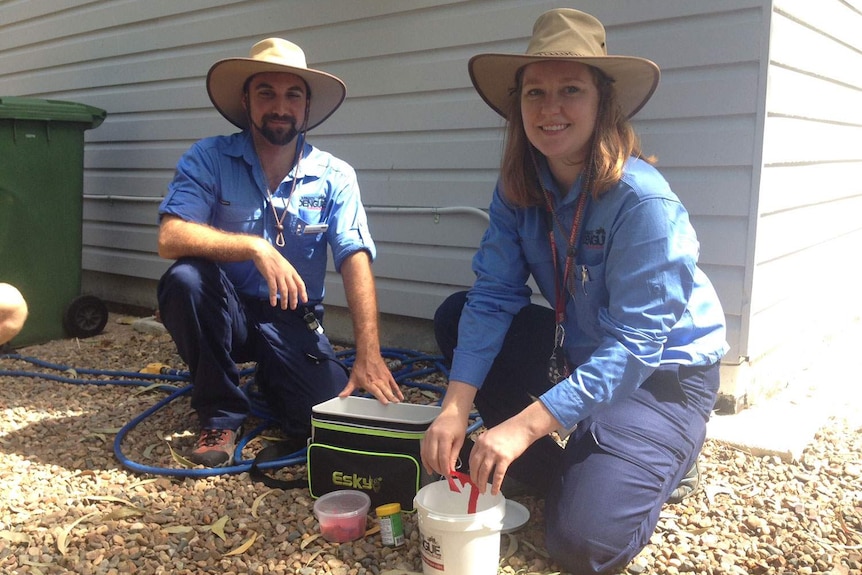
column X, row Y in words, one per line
column 558, row 366
column 571, row 252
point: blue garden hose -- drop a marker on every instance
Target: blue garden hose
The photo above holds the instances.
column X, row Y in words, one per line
column 401, row 364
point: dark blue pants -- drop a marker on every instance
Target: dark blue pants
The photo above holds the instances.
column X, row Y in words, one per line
column 605, row 490
column 215, row 329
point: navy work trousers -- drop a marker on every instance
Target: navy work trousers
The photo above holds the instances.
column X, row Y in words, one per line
column 215, row 329
column 605, row 489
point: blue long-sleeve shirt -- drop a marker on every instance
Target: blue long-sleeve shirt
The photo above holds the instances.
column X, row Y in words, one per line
column 638, row 299
column 219, row 182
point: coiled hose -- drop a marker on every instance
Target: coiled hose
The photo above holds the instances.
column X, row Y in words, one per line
column 401, row 361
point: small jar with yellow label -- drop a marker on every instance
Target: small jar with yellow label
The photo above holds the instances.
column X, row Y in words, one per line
column 391, row 527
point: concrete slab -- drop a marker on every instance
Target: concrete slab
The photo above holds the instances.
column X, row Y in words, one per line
column 785, row 424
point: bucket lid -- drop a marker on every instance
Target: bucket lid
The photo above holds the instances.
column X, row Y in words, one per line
column 18, row 108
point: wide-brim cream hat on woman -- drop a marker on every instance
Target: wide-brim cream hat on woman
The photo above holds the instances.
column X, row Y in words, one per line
column 565, row 34
column 226, row 79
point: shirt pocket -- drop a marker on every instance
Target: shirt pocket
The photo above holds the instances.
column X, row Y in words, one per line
column 233, row 217
column 589, row 293
column 304, row 244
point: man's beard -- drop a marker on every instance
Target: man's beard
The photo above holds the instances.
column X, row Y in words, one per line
column 277, row 136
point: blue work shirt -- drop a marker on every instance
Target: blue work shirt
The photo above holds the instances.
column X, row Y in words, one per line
column 219, row 182
column 637, row 299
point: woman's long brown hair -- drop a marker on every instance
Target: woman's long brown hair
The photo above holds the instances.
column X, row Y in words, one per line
column 613, row 142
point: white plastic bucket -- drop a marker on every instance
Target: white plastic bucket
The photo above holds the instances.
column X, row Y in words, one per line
column 455, row 542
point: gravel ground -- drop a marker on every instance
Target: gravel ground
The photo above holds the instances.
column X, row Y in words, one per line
column 68, row 505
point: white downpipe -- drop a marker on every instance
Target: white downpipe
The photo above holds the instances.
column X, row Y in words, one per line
column 434, row 211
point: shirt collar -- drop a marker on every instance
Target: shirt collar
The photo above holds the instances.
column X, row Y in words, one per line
column 311, row 164
column 551, row 184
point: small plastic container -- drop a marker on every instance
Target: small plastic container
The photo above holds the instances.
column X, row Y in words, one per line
column 391, row 527
column 342, row 515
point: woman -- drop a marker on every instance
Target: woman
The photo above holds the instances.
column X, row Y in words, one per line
column 626, row 364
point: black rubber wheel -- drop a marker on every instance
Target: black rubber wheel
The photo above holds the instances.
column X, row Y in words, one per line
column 85, row 317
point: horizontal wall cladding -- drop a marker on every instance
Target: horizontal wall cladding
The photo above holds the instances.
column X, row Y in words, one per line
column 810, row 191
column 412, row 125
column 803, row 309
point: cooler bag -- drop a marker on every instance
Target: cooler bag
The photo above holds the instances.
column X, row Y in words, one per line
column 359, row 443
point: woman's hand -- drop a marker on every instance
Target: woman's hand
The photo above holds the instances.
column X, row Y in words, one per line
column 498, row 447
column 445, row 436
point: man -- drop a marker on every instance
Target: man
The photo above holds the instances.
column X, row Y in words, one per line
column 248, row 218
column 13, row 312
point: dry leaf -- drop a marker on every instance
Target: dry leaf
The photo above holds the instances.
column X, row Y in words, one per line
column 257, row 501
column 178, row 529
column 306, row 542
column 111, row 498
column 63, row 534
column 155, row 386
column 14, row 537
column 512, row 548
column 148, row 450
column 244, row 547
column 541, row 552
column 218, row 527
column 182, row 461
column 373, row 530
column 108, row 430
column 35, row 564
column 314, row 556
column 712, row 490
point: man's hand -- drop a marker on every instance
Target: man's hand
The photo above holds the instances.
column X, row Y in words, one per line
column 373, row 375
column 281, row 277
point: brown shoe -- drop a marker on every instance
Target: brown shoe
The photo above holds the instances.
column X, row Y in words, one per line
column 214, row 448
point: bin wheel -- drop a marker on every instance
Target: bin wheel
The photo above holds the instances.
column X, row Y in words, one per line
column 85, row 317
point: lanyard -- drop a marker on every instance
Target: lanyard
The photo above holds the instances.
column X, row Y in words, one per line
column 558, row 366
column 571, row 252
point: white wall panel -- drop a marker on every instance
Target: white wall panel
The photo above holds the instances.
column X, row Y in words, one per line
column 810, row 195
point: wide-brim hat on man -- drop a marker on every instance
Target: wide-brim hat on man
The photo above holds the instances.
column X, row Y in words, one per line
column 565, row 34
column 227, row 77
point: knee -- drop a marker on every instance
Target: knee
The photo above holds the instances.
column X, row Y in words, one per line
column 577, row 549
column 186, row 275
column 13, row 312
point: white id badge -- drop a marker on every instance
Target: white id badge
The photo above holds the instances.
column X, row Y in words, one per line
column 315, row 228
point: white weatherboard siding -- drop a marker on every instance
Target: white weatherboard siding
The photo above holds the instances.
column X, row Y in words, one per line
column 427, row 149
column 809, row 232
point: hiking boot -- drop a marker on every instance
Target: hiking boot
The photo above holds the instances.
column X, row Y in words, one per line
column 687, row 485
column 214, row 448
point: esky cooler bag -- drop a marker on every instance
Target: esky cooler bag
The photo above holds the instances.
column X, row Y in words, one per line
column 359, row 443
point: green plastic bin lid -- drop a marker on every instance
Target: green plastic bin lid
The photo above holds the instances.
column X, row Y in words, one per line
column 18, row 108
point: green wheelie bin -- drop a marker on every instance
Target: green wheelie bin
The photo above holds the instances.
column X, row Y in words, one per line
column 41, row 213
